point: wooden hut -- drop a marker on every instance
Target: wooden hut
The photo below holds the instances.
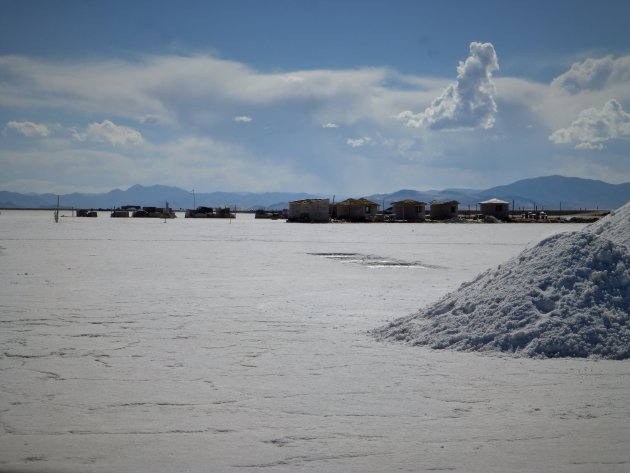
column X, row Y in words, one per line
column 309, row 210
column 495, row 208
column 154, row 212
column 209, row 212
column 118, row 213
column 86, row 213
column 409, row 210
column 444, row 210
column 356, row 210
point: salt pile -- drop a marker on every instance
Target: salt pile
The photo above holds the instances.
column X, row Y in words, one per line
column 569, row 296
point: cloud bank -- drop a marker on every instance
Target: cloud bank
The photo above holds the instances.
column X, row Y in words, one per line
column 594, row 126
column 176, row 90
column 594, row 74
column 469, row 103
column 180, row 116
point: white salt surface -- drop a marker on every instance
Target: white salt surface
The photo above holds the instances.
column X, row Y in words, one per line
column 567, row 296
column 208, row 346
column 615, row 227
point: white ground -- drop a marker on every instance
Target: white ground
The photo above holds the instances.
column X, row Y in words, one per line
column 203, row 345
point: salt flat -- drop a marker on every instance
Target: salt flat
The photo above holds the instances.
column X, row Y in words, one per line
column 209, row 345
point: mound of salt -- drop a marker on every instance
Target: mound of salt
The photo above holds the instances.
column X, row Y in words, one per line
column 615, row 227
column 569, row 296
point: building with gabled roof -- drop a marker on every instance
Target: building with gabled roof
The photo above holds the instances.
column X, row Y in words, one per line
column 356, row 210
column 444, row 210
column 495, row 208
column 309, row 210
column 409, row 210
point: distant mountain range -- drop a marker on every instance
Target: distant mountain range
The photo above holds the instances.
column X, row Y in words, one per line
column 550, row 192
column 156, row 195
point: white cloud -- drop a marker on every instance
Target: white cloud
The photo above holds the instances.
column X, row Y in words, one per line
column 293, row 79
column 187, row 162
column 108, row 132
column 167, row 98
column 243, row 119
column 62, row 170
column 176, row 90
column 594, row 126
column 358, row 142
column 469, row 103
column 29, row 129
column 589, row 146
column 208, row 163
column 594, row 74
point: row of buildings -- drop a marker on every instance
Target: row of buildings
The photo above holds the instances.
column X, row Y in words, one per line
column 365, row 210
column 162, row 212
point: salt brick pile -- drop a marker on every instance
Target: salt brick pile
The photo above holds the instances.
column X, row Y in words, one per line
column 569, row 296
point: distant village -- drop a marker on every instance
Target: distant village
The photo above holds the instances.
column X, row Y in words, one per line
column 408, row 210
column 365, row 210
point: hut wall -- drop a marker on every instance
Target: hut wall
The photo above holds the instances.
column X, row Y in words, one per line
column 356, row 211
column 309, row 210
column 120, row 214
column 409, row 211
column 444, row 211
column 498, row 210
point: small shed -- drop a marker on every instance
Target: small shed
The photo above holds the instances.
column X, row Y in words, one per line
column 409, row 210
column 495, row 208
column 117, row 213
column 356, row 210
column 86, row 213
column 309, row 210
column 444, row 210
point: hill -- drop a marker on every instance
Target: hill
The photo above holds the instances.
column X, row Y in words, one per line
column 568, row 192
column 155, row 195
column 550, row 192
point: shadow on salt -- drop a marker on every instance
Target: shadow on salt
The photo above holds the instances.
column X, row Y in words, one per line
column 372, row 261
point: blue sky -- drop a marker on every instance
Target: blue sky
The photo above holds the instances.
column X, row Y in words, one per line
column 345, row 97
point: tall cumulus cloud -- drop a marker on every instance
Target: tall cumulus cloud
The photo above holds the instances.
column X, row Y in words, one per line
column 469, row 103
